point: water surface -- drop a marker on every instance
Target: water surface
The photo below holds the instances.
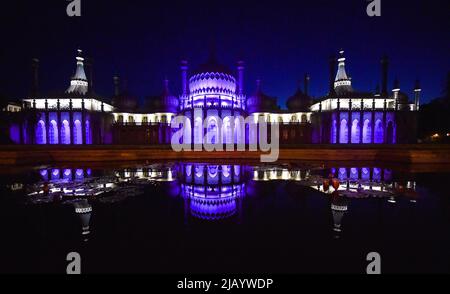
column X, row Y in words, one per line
column 219, row 218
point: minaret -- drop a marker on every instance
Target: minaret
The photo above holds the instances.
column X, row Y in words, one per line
column 332, row 68
column 184, row 78
column 35, row 69
column 417, row 91
column 306, row 84
column 342, row 81
column 90, row 70
column 240, row 81
column 384, row 76
column 395, row 90
column 377, row 91
column 116, row 81
column 79, row 83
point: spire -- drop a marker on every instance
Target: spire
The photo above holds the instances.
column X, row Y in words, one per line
column 384, row 75
column 342, row 82
column 166, row 86
column 258, row 86
column 377, row 90
column 116, row 81
column 306, row 84
column 396, row 86
column 79, row 83
column 417, row 91
column 35, row 68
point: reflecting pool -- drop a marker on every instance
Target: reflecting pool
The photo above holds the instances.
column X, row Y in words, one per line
column 186, row 217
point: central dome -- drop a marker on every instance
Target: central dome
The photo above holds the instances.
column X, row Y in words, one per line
column 212, row 78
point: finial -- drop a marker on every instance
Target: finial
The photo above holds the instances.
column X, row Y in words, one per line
column 396, row 85
column 417, row 85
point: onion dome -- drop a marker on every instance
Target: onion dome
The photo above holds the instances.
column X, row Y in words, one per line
column 300, row 101
column 166, row 102
column 212, row 78
column 261, row 102
column 213, row 208
column 342, row 82
column 123, row 101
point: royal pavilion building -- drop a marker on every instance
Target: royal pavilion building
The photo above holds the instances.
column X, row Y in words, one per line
column 214, row 102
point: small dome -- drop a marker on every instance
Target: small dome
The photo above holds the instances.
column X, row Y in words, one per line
column 125, row 102
column 299, row 102
column 212, row 66
column 166, row 102
column 260, row 102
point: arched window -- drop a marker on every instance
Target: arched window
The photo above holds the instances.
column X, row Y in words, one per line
column 304, row 118
column 333, row 132
column 198, row 131
column 65, row 132
column 355, row 131
column 130, row 120
column 164, row 119
column 390, row 133
column 239, row 130
column 227, row 132
column 280, row 120
column 212, row 131
column 187, row 136
column 367, row 132
column 88, row 132
column 53, row 132
column 343, row 136
column 77, row 133
column 41, row 134
column 145, row 120
column 379, row 132
column 120, row 119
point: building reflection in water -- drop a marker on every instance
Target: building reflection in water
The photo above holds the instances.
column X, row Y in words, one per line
column 214, row 192
column 84, row 210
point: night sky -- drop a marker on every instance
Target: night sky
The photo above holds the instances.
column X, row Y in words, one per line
column 144, row 41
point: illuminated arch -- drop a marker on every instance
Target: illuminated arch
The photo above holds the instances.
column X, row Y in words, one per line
column 212, row 130
column 41, row 134
column 390, row 133
column 333, row 132
column 355, row 131
column 367, row 132
column 379, row 132
column 77, row 133
column 239, row 130
column 53, row 132
column 187, row 135
column 198, row 131
column 343, row 136
column 227, row 131
column 65, row 132
column 88, row 131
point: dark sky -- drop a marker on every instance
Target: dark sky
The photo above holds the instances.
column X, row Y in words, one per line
column 143, row 41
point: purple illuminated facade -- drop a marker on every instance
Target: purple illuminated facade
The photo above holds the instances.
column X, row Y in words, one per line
column 214, row 102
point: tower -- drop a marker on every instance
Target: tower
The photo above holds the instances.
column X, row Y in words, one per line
column 417, row 91
column 79, row 83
